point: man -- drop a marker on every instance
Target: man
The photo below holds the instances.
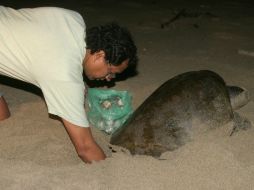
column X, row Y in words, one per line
column 49, row 48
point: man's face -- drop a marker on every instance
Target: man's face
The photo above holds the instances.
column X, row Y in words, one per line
column 97, row 68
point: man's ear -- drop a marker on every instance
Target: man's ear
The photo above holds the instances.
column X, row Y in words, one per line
column 100, row 54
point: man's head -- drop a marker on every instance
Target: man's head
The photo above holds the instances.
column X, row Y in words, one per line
column 110, row 50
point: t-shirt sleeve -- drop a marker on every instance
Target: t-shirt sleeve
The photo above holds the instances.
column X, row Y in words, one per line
column 66, row 100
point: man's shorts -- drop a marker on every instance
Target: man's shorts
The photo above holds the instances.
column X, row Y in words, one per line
column 1, row 94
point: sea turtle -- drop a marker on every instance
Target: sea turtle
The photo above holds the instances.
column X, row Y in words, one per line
column 164, row 120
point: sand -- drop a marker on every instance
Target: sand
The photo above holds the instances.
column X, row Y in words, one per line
column 35, row 150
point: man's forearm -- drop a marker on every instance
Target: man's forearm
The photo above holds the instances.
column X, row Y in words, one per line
column 88, row 150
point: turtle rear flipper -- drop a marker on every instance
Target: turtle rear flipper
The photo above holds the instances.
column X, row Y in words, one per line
column 238, row 96
column 240, row 123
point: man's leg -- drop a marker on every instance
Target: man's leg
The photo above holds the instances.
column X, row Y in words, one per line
column 4, row 110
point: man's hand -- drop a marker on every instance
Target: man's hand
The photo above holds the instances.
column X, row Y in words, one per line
column 84, row 143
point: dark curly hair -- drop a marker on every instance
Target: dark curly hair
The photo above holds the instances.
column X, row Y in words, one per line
column 115, row 41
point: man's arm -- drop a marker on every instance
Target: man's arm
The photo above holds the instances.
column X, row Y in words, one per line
column 88, row 150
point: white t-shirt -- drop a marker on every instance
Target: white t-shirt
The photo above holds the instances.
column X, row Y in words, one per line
column 46, row 46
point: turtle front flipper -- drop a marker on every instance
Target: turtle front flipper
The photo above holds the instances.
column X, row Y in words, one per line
column 240, row 123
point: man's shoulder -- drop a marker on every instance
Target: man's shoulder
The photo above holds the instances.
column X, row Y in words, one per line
column 61, row 16
column 58, row 10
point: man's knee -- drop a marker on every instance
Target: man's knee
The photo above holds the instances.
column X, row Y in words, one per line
column 4, row 110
